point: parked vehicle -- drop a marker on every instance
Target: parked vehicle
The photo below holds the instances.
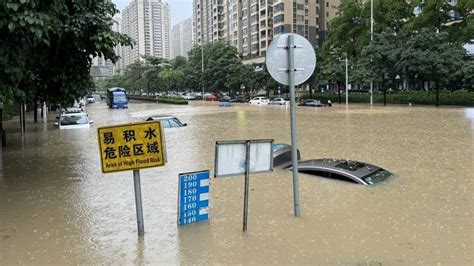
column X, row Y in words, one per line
column 278, row 101
column 260, row 100
column 90, row 99
column 189, row 96
column 211, row 97
column 316, row 103
column 225, row 98
column 73, row 118
column 240, row 99
column 167, row 120
column 117, row 98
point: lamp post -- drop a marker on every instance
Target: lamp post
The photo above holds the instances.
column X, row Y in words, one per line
column 371, row 39
column 202, row 67
column 347, row 80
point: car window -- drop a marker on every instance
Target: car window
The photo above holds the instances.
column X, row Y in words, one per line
column 74, row 120
column 166, row 123
column 174, row 122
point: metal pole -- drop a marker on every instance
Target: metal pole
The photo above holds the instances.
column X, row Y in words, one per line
column 22, row 119
column 347, row 84
column 294, row 145
column 246, row 185
column 45, row 114
column 138, row 202
column 371, row 38
column 202, row 67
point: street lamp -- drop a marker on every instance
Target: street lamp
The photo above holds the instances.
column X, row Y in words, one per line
column 371, row 39
column 347, row 80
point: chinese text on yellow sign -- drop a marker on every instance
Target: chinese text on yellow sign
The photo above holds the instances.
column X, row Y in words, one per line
column 132, row 146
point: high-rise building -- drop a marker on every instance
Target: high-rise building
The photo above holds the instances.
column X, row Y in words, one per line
column 250, row 25
column 147, row 23
column 182, row 38
column 327, row 10
column 102, row 68
column 210, row 19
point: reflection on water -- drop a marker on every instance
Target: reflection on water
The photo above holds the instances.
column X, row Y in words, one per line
column 57, row 207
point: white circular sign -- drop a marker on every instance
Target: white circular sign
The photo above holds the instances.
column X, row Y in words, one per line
column 277, row 59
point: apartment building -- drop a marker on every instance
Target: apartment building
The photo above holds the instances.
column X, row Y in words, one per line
column 327, row 10
column 250, row 25
column 147, row 22
column 182, row 38
column 101, row 68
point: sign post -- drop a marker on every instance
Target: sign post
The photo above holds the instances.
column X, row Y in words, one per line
column 193, row 197
column 243, row 157
column 296, row 49
column 132, row 147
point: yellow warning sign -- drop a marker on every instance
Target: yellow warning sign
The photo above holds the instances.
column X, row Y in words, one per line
column 131, row 146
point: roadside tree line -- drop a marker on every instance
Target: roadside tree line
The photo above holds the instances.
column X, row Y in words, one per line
column 407, row 52
column 223, row 72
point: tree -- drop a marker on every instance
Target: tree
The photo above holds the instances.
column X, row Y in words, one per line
column 435, row 16
column 47, row 47
column 218, row 58
column 430, row 56
column 383, row 55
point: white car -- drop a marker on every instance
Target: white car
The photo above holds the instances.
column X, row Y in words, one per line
column 72, row 118
column 260, row 100
column 278, row 101
column 90, row 99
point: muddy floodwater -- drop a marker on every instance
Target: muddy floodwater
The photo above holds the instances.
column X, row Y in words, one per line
column 56, row 207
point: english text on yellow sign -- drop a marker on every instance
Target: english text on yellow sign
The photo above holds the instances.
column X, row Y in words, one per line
column 131, row 146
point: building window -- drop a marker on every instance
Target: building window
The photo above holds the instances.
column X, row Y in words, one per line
column 278, row 19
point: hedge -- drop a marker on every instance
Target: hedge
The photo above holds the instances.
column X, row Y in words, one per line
column 171, row 100
column 459, row 98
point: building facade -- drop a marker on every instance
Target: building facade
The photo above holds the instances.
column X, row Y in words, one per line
column 101, row 68
column 327, row 10
column 250, row 25
column 147, row 22
column 182, row 38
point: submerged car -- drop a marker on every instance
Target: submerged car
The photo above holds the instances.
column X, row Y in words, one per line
column 167, row 121
column 316, row 103
column 346, row 170
column 259, row 100
column 278, row 101
column 72, row 118
column 282, row 155
column 90, row 99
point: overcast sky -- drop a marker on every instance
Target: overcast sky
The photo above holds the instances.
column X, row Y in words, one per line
column 180, row 9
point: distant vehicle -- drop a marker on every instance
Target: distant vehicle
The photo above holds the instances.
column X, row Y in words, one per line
column 240, row 99
column 117, row 98
column 189, row 96
column 316, row 103
column 260, row 100
column 90, row 99
column 278, row 101
column 225, row 98
column 167, row 121
column 72, row 118
column 211, row 97
column 345, row 170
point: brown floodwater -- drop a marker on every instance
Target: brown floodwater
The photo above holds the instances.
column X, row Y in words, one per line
column 56, row 207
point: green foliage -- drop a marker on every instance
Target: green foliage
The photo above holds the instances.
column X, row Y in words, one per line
column 171, row 100
column 47, row 47
column 456, row 98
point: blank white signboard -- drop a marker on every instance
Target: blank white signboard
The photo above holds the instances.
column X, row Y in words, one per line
column 230, row 158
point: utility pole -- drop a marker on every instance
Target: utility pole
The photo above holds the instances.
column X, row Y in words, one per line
column 371, row 39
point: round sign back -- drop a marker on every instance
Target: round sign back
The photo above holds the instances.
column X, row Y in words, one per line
column 277, row 59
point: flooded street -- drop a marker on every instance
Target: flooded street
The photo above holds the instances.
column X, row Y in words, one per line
column 56, row 207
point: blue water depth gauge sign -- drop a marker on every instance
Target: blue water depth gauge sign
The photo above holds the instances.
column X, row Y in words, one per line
column 193, row 197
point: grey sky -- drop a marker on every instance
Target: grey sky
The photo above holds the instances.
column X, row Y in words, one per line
column 180, row 9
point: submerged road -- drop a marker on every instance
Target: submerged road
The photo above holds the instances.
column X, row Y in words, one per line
column 56, row 207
